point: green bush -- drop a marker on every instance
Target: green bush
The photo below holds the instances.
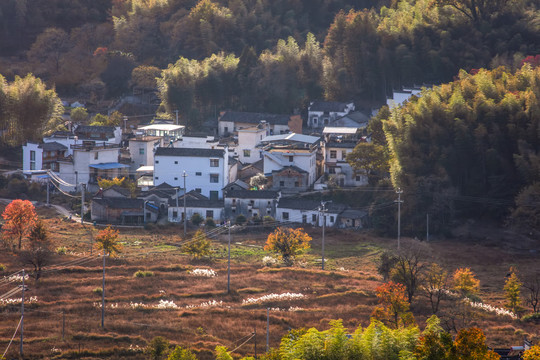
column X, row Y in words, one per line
column 196, row 219
column 143, row 274
column 240, row 220
column 210, row 222
column 256, row 220
column 2, row 267
column 62, row 250
column 534, row 317
column 98, row 291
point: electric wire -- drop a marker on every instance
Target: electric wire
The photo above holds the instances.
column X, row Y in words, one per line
column 13, row 337
column 242, row 344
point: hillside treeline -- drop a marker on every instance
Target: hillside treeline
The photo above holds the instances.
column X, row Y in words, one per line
column 468, row 148
column 357, row 50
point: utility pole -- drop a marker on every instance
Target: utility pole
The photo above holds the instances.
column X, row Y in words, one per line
column 427, row 227
column 48, row 186
column 176, row 111
column 323, row 211
column 63, row 324
column 229, row 262
column 399, row 201
column 144, row 211
column 177, row 209
column 103, row 293
column 255, row 339
column 83, row 191
column 125, row 123
column 22, row 316
column 184, row 175
column 267, row 330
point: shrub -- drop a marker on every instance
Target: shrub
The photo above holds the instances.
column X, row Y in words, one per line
column 240, row 220
column 465, row 281
column 256, row 220
column 535, row 317
column 62, row 250
column 210, row 222
column 143, row 274
column 98, row 291
column 196, row 219
column 2, row 267
column 288, row 243
column 199, row 246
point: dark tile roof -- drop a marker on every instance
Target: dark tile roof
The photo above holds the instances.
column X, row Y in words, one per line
column 354, row 213
column 194, row 195
column 198, row 203
column 53, row 146
column 329, row 106
column 292, row 167
column 120, row 203
column 255, row 118
column 305, row 204
column 120, row 190
column 341, row 145
column 252, row 194
column 162, row 151
column 94, row 129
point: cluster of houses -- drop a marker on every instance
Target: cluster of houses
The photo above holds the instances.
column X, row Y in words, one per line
column 179, row 174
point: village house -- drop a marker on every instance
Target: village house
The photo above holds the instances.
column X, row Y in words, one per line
column 251, row 203
column 124, row 211
column 248, row 139
column 110, row 134
column 295, row 210
column 206, row 208
column 400, row 96
column 230, row 122
column 141, row 152
column 322, row 113
column 206, row 170
column 43, row 156
column 337, row 144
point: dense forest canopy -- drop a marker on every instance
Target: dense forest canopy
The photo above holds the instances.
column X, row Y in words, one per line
column 468, row 147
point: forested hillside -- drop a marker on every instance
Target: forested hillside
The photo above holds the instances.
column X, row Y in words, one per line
column 260, row 54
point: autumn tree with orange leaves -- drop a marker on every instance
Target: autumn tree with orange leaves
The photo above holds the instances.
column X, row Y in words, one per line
column 107, row 240
column 20, row 216
column 288, row 243
column 393, row 305
column 470, row 344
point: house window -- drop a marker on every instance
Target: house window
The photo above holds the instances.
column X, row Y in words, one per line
column 343, row 154
column 157, row 161
column 304, row 218
column 331, row 219
column 247, row 153
column 314, row 218
column 32, row 155
column 282, row 183
column 332, row 170
column 285, row 216
column 198, row 173
column 333, row 154
column 175, row 178
column 214, row 195
column 176, row 163
column 291, row 158
column 157, row 177
column 96, row 155
column 296, row 184
column 214, row 162
column 210, row 214
column 175, row 214
column 198, row 190
column 269, row 203
column 141, row 151
column 357, row 177
column 32, row 165
column 226, row 129
column 214, row 178
column 234, row 201
column 315, row 120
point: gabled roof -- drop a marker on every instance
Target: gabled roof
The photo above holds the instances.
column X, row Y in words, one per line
column 252, row 194
column 255, row 118
column 53, row 146
column 194, row 195
column 329, row 106
column 94, row 129
column 191, row 152
column 120, row 190
column 292, row 137
column 120, row 203
column 290, row 167
column 239, row 183
column 306, row 204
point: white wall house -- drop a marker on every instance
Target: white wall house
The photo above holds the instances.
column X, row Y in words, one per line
column 322, row 113
column 251, row 203
column 399, row 97
column 207, row 170
column 307, row 212
column 229, row 122
column 248, row 139
column 32, row 157
column 91, row 161
column 196, row 142
column 213, row 209
column 304, row 158
column 141, row 151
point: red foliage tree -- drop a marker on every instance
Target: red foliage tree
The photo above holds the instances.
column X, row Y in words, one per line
column 470, row 344
column 393, row 304
column 20, row 216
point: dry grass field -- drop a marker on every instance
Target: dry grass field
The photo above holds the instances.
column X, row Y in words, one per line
column 194, row 310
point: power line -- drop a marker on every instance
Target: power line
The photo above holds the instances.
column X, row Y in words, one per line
column 13, row 337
